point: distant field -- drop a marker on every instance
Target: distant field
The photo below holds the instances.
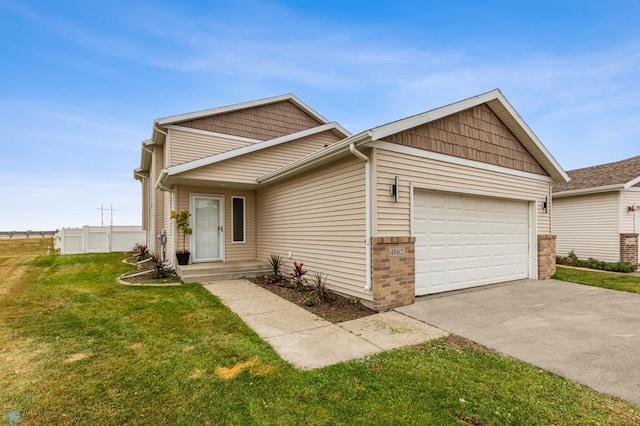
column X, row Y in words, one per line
column 25, row 246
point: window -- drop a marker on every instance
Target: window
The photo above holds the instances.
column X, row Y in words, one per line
column 237, row 205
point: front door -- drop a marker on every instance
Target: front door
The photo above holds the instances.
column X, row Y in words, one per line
column 208, row 232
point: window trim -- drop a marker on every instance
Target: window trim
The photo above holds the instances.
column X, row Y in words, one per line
column 244, row 220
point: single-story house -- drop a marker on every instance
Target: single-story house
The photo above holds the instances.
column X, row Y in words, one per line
column 597, row 213
column 452, row 198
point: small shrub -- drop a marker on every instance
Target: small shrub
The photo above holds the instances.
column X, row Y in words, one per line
column 297, row 281
column 276, row 262
column 270, row 279
column 160, row 268
column 310, row 299
column 572, row 260
column 141, row 251
column 320, row 287
column 354, row 300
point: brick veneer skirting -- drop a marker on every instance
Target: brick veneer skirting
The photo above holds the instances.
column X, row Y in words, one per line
column 629, row 248
column 393, row 272
column 546, row 256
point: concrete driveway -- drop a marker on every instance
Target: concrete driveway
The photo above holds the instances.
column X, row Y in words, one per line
column 587, row 334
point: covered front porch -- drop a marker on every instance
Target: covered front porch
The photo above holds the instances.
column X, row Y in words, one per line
column 216, row 271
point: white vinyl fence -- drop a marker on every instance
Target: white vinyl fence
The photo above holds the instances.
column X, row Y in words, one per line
column 98, row 239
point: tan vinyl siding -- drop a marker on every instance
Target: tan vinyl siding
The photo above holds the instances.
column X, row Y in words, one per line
column 393, row 219
column 629, row 198
column 187, row 146
column 263, row 122
column 232, row 251
column 588, row 225
column 145, row 203
column 247, row 168
column 166, row 217
column 320, row 218
column 476, row 134
column 158, row 197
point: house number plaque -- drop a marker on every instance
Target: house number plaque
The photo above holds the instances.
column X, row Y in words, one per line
column 396, row 252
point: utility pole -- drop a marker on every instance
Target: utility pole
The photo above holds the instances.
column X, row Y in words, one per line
column 110, row 210
column 102, row 210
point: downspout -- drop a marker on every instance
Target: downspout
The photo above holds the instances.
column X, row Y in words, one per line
column 367, row 202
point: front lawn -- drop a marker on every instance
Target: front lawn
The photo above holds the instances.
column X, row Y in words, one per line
column 620, row 282
column 35, row 245
column 78, row 348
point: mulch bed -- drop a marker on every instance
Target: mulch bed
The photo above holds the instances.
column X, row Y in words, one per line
column 133, row 277
column 337, row 310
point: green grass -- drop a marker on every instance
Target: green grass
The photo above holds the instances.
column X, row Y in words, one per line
column 620, row 282
column 77, row 348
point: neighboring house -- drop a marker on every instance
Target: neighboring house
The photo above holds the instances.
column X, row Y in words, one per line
column 452, row 198
column 597, row 213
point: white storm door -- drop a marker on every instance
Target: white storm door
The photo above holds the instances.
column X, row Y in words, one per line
column 208, row 232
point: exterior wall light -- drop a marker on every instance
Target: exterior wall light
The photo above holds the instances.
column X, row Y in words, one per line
column 395, row 189
column 545, row 205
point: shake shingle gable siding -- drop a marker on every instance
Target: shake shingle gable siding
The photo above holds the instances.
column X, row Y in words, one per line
column 263, row 122
column 475, row 134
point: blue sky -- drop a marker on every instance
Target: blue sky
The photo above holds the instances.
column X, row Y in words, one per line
column 82, row 82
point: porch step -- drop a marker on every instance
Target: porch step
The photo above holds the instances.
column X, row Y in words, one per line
column 215, row 271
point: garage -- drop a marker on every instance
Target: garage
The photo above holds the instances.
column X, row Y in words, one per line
column 465, row 241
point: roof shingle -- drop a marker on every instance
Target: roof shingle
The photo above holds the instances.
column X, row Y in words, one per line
column 618, row 173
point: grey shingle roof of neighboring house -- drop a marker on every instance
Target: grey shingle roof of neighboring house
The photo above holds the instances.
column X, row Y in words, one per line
column 622, row 174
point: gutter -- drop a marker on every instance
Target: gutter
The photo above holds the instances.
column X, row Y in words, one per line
column 367, row 203
column 155, row 126
column 137, row 174
column 607, row 188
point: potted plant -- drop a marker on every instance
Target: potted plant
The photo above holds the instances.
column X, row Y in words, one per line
column 182, row 222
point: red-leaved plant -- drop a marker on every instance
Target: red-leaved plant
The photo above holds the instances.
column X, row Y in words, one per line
column 297, row 273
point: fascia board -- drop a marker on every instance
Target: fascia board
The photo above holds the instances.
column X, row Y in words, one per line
column 191, row 165
column 632, row 182
column 392, row 128
column 145, row 155
column 240, row 106
column 342, row 130
column 538, row 150
column 161, row 179
column 312, row 159
column 585, row 191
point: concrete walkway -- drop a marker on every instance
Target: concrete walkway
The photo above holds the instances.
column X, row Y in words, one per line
column 588, row 334
column 308, row 341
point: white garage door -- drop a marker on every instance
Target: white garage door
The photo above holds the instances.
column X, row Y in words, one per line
column 465, row 241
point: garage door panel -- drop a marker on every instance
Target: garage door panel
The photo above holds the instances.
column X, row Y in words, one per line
column 464, row 241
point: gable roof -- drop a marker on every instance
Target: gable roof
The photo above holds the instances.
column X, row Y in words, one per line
column 604, row 177
column 494, row 99
column 173, row 119
column 202, row 162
